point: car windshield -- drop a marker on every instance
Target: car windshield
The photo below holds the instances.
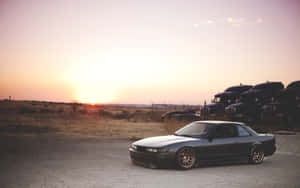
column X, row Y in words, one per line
column 252, row 132
column 194, row 129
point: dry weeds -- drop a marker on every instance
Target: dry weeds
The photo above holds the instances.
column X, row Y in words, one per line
column 29, row 118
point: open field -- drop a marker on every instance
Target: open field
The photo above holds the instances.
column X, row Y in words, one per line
column 28, row 118
column 100, row 121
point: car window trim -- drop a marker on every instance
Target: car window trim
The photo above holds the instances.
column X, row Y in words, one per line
column 249, row 134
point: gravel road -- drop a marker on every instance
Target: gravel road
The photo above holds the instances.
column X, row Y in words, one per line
column 51, row 161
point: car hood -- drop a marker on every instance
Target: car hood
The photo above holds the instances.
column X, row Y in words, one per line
column 161, row 141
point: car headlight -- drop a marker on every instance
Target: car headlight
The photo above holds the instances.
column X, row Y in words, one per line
column 155, row 150
column 163, row 150
column 133, row 147
column 152, row 150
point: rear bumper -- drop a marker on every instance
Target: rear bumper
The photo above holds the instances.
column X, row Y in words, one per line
column 152, row 160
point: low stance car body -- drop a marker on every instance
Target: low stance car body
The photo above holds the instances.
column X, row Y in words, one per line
column 203, row 141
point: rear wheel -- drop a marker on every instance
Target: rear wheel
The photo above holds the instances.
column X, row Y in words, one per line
column 257, row 156
column 186, row 158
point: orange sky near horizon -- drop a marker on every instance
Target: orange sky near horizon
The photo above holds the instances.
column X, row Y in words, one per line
column 144, row 52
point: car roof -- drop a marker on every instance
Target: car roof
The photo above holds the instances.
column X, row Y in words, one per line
column 239, row 87
column 217, row 122
column 294, row 84
column 269, row 85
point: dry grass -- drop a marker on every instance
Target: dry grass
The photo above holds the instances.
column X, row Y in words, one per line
column 110, row 128
column 32, row 117
column 29, row 118
column 173, row 125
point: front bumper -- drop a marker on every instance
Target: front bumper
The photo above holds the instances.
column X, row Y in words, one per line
column 152, row 159
column 270, row 150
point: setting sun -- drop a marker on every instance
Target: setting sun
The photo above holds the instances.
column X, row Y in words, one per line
column 99, row 78
column 94, row 95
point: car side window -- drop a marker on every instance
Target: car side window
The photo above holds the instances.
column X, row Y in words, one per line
column 242, row 131
column 225, row 131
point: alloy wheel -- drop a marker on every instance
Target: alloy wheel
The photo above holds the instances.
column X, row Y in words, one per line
column 186, row 158
column 257, row 157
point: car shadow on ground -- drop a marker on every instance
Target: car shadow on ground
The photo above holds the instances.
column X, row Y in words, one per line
column 208, row 165
column 230, row 164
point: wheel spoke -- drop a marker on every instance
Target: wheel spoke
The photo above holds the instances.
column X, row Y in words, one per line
column 258, row 156
column 186, row 158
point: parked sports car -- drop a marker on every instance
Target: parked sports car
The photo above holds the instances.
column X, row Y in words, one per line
column 203, row 141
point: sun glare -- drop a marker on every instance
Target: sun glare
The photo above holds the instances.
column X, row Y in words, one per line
column 95, row 95
column 99, row 78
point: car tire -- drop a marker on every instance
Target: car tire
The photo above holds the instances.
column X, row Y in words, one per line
column 186, row 158
column 257, row 156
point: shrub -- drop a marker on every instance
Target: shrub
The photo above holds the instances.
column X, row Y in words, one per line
column 60, row 110
column 123, row 115
column 83, row 111
column 134, row 138
column 104, row 113
column 26, row 110
column 46, row 110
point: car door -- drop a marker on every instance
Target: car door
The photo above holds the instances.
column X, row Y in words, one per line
column 223, row 145
column 243, row 142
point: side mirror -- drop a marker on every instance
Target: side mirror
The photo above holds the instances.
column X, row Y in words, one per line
column 210, row 136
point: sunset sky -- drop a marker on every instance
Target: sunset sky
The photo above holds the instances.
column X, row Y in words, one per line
column 144, row 51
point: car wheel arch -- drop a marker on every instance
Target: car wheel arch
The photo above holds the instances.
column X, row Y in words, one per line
column 190, row 147
column 256, row 155
column 256, row 146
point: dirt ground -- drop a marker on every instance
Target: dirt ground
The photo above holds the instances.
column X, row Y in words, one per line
column 59, row 161
column 51, row 145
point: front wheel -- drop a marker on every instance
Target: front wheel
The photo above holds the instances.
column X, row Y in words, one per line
column 186, row 158
column 257, row 157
